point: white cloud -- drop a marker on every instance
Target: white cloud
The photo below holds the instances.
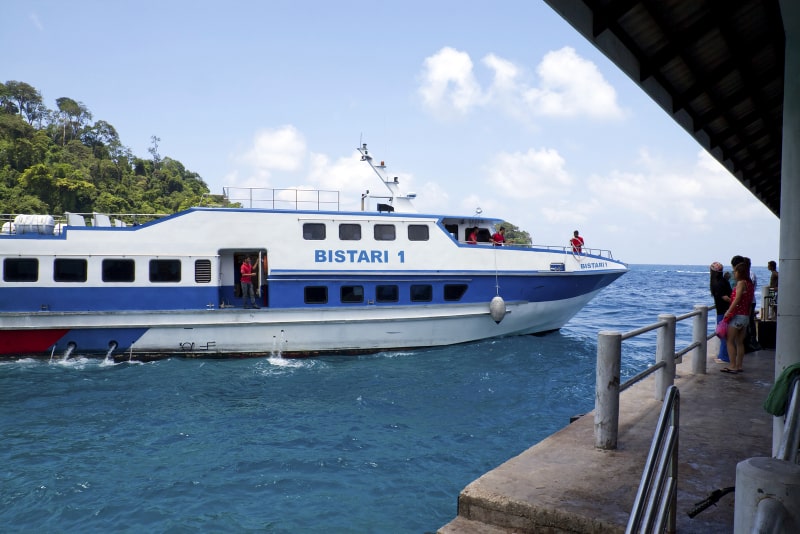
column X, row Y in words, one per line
column 350, row 176
column 568, row 86
column 448, row 83
column 571, row 86
column 279, row 149
column 532, row 174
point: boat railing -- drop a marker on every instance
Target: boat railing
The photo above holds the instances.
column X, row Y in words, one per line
column 53, row 224
column 601, row 252
column 283, row 199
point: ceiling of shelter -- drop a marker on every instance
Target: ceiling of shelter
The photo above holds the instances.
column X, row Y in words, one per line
column 716, row 66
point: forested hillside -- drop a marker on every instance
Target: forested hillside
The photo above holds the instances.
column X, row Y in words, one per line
column 57, row 160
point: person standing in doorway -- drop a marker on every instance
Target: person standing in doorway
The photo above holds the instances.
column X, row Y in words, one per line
column 576, row 242
column 247, row 283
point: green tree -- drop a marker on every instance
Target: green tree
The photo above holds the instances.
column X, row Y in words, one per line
column 71, row 164
column 72, row 115
column 514, row 235
column 27, row 99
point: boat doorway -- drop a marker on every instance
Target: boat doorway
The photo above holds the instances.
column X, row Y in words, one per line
column 231, row 273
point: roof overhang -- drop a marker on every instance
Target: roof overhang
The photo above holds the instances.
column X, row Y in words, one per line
column 716, row 67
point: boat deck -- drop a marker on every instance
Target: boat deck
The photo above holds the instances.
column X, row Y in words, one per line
column 564, row 484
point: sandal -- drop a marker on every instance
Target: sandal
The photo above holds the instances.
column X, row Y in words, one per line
column 727, row 370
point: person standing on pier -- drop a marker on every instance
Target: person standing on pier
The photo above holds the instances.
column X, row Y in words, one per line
column 721, row 291
column 773, row 277
column 738, row 316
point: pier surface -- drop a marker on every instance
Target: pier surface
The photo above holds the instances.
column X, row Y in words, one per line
column 565, row 484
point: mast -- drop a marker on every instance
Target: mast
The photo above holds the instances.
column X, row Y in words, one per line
column 395, row 199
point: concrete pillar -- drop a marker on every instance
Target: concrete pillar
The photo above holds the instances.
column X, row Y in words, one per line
column 700, row 335
column 665, row 351
column 606, row 401
column 787, row 338
column 766, row 478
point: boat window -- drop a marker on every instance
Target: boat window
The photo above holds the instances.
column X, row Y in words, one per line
column 484, row 235
column 454, row 291
column 418, row 232
column 118, row 270
column 202, row 271
column 69, row 270
column 165, row 270
column 352, row 294
column 20, row 270
column 386, row 294
column 313, row 231
column 421, row 293
column 349, row 232
column 558, row 267
column 384, row 232
column 316, row 295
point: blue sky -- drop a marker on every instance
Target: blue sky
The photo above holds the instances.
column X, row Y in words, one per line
column 498, row 105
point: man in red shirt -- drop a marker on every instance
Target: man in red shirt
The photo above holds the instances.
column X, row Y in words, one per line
column 247, row 283
column 576, row 242
column 499, row 237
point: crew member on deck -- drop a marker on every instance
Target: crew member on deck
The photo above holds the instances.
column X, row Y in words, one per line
column 499, row 238
column 576, row 242
column 247, row 283
column 473, row 236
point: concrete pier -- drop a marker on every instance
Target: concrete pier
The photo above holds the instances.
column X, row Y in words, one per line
column 565, row 484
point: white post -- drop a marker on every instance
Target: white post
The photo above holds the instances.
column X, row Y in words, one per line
column 700, row 335
column 787, row 335
column 606, row 401
column 766, row 478
column 665, row 352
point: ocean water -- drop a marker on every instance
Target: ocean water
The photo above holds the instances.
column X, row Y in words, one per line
column 379, row 443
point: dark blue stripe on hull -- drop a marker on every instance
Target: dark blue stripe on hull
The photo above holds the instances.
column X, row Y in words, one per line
column 287, row 291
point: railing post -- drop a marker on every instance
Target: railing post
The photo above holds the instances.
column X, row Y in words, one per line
column 606, row 402
column 700, row 335
column 665, row 352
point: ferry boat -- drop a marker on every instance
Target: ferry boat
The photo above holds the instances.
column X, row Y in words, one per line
column 327, row 281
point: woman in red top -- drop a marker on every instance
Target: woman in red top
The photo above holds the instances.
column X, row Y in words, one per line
column 738, row 316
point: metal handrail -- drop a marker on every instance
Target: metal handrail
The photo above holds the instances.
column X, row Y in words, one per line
column 771, row 513
column 655, row 505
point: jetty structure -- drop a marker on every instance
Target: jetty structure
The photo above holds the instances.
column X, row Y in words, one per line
column 729, row 74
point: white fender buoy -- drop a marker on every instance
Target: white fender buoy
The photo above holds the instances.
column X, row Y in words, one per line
column 497, row 309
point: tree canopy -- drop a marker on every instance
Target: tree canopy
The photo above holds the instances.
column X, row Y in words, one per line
column 57, row 160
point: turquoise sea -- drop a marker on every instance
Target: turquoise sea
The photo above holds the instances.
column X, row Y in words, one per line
column 380, row 443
